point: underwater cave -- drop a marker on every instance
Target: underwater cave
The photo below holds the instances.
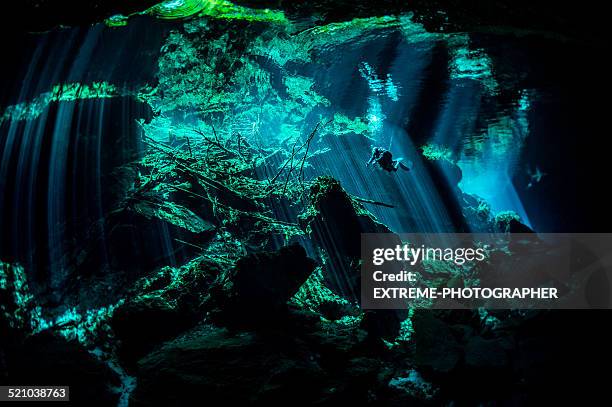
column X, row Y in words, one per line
column 184, row 186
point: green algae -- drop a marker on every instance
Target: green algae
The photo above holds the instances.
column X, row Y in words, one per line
column 503, row 219
column 434, row 152
column 117, row 20
column 473, row 64
column 219, row 9
column 65, row 92
column 314, row 294
column 23, row 314
column 214, row 9
column 300, row 88
column 87, row 327
column 16, row 301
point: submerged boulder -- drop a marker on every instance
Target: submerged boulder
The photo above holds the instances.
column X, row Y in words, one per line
column 268, row 280
column 481, row 353
column 144, row 321
column 436, row 347
column 510, row 222
column 312, row 365
column 162, row 306
column 225, row 367
column 257, row 289
column 335, row 222
column 253, row 293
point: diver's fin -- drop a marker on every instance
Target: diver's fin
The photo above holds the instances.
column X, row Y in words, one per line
column 407, row 166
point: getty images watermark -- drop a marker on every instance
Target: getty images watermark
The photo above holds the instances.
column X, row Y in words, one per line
column 503, row 271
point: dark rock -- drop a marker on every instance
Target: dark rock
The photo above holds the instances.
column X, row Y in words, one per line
column 131, row 234
column 335, row 223
column 14, row 315
column 556, row 354
column 267, row 280
column 261, row 285
column 254, row 293
column 46, row 359
column 462, row 332
column 413, row 385
column 478, row 213
column 225, row 367
column 435, row 345
column 483, row 353
column 143, row 322
column 510, row 222
column 316, row 365
column 381, row 324
column 365, row 379
column 334, row 310
column 165, row 305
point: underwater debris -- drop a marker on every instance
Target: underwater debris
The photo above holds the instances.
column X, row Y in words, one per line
column 116, row 20
column 371, row 201
column 292, row 163
column 217, row 177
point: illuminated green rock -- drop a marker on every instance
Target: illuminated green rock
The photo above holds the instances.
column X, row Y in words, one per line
column 510, row 222
column 16, row 301
column 437, row 152
column 315, row 296
column 117, row 20
column 24, row 317
column 66, row 92
column 216, row 9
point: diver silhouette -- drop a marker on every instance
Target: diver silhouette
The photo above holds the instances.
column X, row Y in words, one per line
column 384, row 158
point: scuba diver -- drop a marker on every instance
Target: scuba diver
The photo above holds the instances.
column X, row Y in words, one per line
column 384, row 159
